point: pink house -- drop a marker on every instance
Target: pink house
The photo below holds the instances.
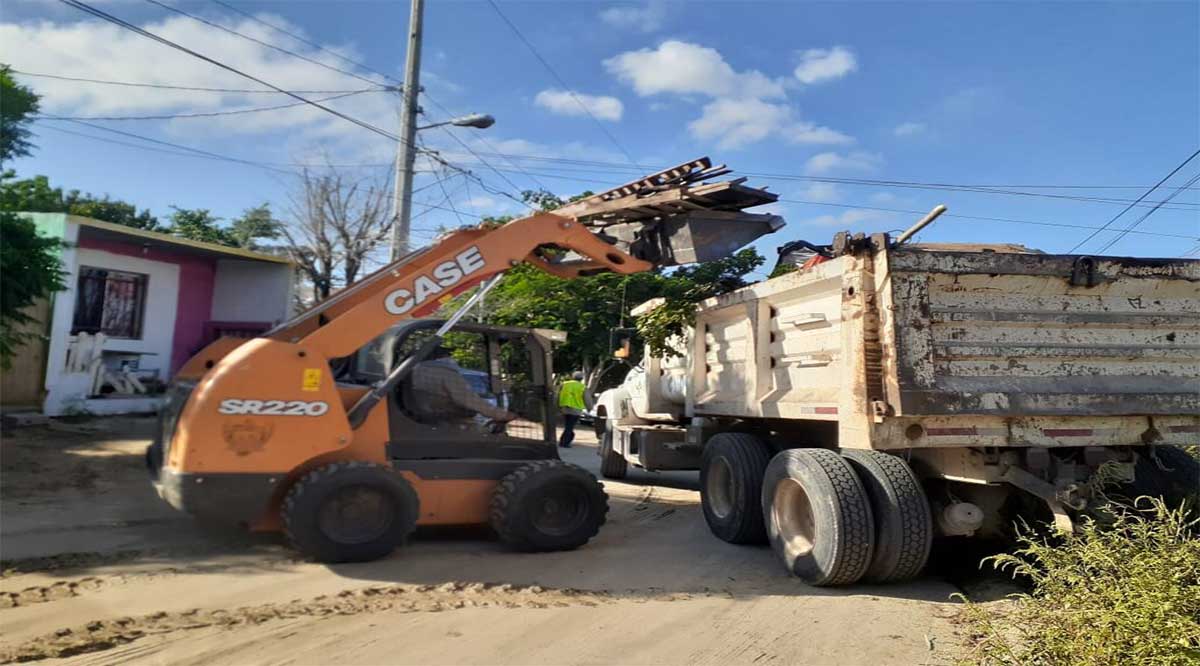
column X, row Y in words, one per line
column 157, row 299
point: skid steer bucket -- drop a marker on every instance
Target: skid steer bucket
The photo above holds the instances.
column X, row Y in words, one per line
column 675, row 217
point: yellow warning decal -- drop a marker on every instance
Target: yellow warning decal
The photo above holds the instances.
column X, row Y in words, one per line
column 312, row 380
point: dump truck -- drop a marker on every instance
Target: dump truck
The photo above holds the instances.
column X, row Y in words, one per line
column 885, row 393
column 347, row 427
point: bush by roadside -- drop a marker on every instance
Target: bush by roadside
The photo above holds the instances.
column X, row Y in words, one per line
column 1127, row 592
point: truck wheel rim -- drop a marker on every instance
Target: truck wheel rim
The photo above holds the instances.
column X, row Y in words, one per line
column 791, row 512
column 719, row 488
column 356, row 514
column 560, row 510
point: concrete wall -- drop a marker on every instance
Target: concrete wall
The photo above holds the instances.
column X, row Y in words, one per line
column 251, row 291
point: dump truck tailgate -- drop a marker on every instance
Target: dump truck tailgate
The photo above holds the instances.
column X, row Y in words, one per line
column 1036, row 334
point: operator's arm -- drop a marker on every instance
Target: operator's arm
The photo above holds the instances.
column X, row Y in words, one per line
column 461, row 394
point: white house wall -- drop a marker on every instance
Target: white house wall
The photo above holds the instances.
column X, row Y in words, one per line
column 251, row 291
column 158, row 327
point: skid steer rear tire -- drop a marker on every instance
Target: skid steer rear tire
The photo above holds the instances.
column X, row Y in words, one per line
column 818, row 516
column 903, row 521
column 548, row 505
column 612, row 463
column 350, row 512
column 731, row 476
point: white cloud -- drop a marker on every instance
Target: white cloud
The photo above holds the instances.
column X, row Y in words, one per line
column 859, row 161
column 805, row 132
column 817, row 65
column 883, row 197
column 101, row 51
column 570, row 103
column 909, row 129
column 685, row 68
column 735, row 123
column 821, row 193
column 646, row 18
column 744, row 107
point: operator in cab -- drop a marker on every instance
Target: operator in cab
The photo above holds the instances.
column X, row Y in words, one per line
column 440, row 393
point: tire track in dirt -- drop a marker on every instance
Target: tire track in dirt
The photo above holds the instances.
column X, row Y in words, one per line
column 39, row 594
column 102, row 635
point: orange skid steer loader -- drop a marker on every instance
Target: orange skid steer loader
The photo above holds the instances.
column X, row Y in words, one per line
column 310, row 428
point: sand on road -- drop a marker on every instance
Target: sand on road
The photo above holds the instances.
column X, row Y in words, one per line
column 99, row 571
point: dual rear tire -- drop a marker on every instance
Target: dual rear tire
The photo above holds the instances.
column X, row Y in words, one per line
column 832, row 519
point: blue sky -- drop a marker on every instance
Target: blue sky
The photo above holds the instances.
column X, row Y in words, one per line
column 1018, row 95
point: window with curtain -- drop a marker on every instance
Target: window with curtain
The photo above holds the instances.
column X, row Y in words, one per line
column 110, row 302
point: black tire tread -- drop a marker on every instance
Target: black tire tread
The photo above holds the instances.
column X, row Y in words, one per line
column 612, row 464
column 297, row 490
column 912, row 508
column 503, row 500
column 855, row 513
column 749, row 456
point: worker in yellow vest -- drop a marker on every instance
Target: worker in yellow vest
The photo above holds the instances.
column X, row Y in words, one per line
column 571, row 404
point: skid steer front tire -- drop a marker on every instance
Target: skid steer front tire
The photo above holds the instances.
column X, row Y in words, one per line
column 731, row 475
column 818, row 516
column 548, row 505
column 349, row 512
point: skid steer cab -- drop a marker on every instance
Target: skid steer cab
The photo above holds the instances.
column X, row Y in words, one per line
column 469, row 437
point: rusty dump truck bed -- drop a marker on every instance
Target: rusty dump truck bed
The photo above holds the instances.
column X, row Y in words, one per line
column 919, row 346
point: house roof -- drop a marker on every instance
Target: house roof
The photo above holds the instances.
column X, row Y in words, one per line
column 121, row 233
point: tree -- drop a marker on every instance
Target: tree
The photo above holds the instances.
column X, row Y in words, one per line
column 35, row 195
column 18, row 105
column 29, row 270
column 338, row 218
column 198, row 224
column 254, row 224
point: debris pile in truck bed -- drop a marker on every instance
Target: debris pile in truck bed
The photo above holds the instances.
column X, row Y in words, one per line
column 675, row 217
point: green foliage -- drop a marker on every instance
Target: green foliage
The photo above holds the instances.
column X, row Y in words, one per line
column 18, row 105
column 29, row 270
column 198, row 224
column 254, row 224
column 1126, row 592
column 783, row 269
column 35, row 195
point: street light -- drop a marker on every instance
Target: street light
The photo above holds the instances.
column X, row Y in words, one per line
column 405, row 155
column 476, row 120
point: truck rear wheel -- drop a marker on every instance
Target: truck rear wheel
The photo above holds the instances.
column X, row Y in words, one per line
column 903, row 521
column 818, row 516
column 731, row 476
column 349, row 512
column 612, row 463
column 548, row 505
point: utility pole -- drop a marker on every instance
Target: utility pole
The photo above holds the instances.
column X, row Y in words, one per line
column 406, row 152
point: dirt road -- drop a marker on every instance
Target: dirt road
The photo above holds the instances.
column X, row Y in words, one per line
column 99, row 571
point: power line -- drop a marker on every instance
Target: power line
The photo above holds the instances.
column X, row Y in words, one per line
column 164, row 86
column 189, row 151
column 218, row 26
column 311, row 43
column 393, row 137
column 561, row 82
column 205, row 114
column 485, row 142
column 1130, row 206
column 145, row 33
column 1130, row 228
